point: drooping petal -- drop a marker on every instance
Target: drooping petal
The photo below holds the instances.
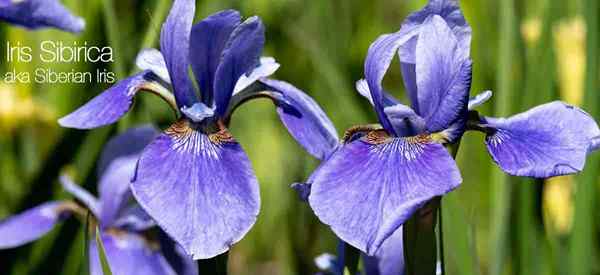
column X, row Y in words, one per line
column 450, row 11
column 240, row 56
column 30, row 225
column 479, row 99
column 134, row 218
column 127, row 144
column 153, row 60
column 443, row 75
column 378, row 61
column 36, row 14
column 109, row 106
column 128, row 253
column 174, row 45
column 549, row 140
column 267, row 67
column 389, row 259
column 114, row 188
column 208, row 40
column 208, row 179
column 370, row 187
column 303, row 118
column 80, row 194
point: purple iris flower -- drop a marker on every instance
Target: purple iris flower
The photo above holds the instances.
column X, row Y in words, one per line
column 123, row 225
column 194, row 179
column 380, row 175
column 36, row 14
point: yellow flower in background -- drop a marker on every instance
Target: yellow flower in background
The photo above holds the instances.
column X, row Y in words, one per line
column 18, row 108
column 569, row 43
column 531, row 30
column 558, row 203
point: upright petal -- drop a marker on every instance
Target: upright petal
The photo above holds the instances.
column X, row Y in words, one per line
column 303, row 118
column 377, row 63
column 199, row 188
column 389, row 259
column 128, row 253
column 175, row 44
column 240, row 56
column 549, row 140
column 129, row 143
column 80, row 194
column 30, row 225
column 208, row 40
column 109, row 106
column 114, row 188
column 450, row 11
column 370, row 187
column 443, row 75
column 36, row 14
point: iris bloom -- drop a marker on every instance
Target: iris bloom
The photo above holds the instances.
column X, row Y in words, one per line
column 194, row 179
column 122, row 225
column 380, row 175
column 36, row 14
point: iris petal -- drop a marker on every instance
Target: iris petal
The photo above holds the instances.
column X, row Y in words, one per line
column 443, row 75
column 549, row 140
column 199, row 188
column 303, row 118
column 389, row 259
column 127, row 144
column 174, row 45
column 109, row 106
column 134, row 218
column 114, row 188
column 370, row 187
column 130, row 254
column 81, row 194
column 153, row 60
column 377, row 63
column 240, row 56
column 450, row 11
column 479, row 99
column 29, row 225
column 208, row 40
column 35, row 14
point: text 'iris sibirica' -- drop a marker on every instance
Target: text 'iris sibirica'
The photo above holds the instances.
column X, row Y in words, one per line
column 194, row 179
column 36, row 14
column 124, row 226
column 374, row 181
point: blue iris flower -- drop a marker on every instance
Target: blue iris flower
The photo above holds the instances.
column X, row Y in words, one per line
column 375, row 179
column 123, row 225
column 195, row 179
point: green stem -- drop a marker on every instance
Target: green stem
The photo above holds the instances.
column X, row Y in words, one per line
column 420, row 244
column 214, row 266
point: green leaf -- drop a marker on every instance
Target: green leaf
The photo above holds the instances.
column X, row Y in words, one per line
column 102, row 254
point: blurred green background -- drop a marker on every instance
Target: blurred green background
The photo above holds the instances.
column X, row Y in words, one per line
column 528, row 52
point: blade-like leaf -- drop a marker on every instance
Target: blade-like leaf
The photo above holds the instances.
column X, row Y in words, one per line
column 102, row 254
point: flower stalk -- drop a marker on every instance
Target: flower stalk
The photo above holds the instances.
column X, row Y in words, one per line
column 216, row 265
